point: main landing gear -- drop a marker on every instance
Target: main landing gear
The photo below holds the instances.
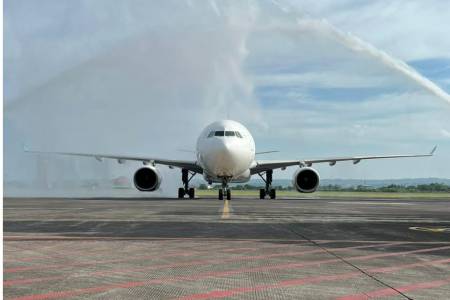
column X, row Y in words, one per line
column 225, row 190
column 268, row 190
column 186, row 190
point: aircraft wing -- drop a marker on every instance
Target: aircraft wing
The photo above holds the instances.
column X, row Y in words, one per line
column 184, row 164
column 262, row 166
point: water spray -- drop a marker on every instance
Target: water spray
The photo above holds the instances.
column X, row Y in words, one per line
column 357, row 44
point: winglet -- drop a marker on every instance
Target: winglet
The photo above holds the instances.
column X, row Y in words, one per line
column 434, row 150
column 25, row 148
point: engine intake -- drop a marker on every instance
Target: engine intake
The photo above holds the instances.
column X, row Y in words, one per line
column 306, row 180
column 147, row 179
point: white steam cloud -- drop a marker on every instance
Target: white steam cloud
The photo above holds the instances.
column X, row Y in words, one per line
column 149, row 93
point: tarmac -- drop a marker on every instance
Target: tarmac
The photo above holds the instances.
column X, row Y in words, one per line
column 240, row 249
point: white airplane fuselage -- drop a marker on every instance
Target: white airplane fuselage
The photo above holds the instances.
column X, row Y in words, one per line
column 226, row 150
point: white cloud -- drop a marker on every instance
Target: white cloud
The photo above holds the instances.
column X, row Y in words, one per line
column 343, row 78
column 409, row 30
column 445, row 133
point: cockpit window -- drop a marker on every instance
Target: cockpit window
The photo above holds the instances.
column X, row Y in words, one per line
column 225, row 133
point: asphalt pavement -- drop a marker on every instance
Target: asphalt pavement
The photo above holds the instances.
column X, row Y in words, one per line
column 240, row 249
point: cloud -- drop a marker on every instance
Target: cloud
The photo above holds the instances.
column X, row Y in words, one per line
column 445, row 133
column 409, row 30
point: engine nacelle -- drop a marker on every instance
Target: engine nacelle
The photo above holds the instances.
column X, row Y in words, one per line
column 147, row 179
column 306, row 180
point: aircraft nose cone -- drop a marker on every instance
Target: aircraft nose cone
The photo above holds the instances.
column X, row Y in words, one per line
column 227, row 158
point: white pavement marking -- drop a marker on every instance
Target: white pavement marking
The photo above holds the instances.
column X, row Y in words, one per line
column 371, row 203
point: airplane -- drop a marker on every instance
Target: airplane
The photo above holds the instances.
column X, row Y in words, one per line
column 225, row 153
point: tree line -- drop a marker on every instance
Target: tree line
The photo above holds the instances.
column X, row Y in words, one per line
column 393, row 188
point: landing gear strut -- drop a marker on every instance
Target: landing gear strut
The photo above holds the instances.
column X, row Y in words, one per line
column 186, row 190
column 268, row 190
column 225, row 190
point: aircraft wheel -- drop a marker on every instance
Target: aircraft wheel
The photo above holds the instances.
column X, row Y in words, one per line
column 228, row 194
column 191, row 193
column 180, row 193
column 273, row 194
column 220, row 194
column 262, row 194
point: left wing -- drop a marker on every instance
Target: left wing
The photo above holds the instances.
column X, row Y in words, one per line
column 262, row 166
column 184, row 164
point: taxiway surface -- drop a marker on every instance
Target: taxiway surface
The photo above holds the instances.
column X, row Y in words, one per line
column 239, row 249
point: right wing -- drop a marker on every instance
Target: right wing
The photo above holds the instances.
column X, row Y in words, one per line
column 183, row 164
column 262, row 166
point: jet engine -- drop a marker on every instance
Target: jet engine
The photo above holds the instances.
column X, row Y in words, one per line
column 306, row 180
column 147, row 179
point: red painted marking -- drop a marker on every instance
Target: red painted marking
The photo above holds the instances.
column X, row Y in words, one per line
column 73, row 293
column 202, row 262
column 309, row 280
column 84, row 251
column 183, row 253
column 241, row 250
column 233, row 292
column 60, row 266
column 413, row 265
column 30, row 280
column 404, row 289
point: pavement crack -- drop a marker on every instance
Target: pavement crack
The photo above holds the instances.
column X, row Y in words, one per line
column 347, row 262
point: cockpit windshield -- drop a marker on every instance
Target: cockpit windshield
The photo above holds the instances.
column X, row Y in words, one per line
column 221, row 133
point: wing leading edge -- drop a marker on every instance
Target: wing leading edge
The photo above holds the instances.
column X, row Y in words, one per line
column 262, row 166
column 183, row 164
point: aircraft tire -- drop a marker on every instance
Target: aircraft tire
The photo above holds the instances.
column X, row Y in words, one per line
column 228, row 194
column 273, row 194
column 262, row 194
column 220, row 194
column 180, row 193
column 191, row 193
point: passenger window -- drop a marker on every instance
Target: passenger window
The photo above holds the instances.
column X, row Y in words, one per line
column 229, row 133
column 211, row 134
column 238, row 134
column 219, row 133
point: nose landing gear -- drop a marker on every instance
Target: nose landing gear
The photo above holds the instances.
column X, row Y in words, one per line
column 225, row 190
column 268, row 190
column 186, row 190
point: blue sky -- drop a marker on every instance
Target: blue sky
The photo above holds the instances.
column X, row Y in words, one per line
column 97, row 76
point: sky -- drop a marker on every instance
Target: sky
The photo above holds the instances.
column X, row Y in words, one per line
column 311, row 79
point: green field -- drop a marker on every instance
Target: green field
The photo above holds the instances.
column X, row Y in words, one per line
column 326, row 194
